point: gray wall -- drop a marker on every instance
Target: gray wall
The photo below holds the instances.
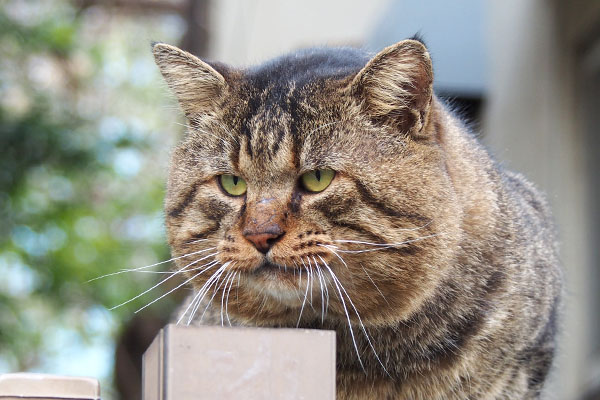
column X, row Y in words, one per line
column 540, row 120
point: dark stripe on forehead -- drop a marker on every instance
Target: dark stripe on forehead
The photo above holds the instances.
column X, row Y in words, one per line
column 253, row 105
column 374, row 202
column 234, row 155
column 278, row 140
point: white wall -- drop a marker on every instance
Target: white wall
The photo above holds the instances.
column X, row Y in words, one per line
column 245, row 32
column 533, row 124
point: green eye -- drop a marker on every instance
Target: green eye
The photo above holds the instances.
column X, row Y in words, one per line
column 234, row 185
column 317, row 180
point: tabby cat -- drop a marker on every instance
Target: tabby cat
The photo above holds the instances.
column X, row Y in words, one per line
column 327, row 189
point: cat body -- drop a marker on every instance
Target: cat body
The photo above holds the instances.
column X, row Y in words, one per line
column 330, row 190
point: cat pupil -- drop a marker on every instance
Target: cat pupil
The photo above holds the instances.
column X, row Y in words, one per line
column 235, row 180
column 318, row 175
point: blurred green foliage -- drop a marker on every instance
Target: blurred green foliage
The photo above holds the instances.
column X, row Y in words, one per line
column 84, row 134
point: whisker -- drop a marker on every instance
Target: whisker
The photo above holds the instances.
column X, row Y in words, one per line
column 335, row 278
column 203, row 258
column 206, row 287
column 153, row 287
column 328, row 247
column 158, row 272
column 150, row 266
column 188, row 307
column 310, row 278
column 325, row 287
column 196, row 241
column 229, row 275
column 177, row 287
column 322, row 294
column 320, row 271
column 376, row 287
column 304, row 301
column 215, row 290
column 227, row 298
column 381, row 246
column 335, row 282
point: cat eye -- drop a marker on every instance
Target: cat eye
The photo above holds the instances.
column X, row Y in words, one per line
column 317, row 180
column 234, row 185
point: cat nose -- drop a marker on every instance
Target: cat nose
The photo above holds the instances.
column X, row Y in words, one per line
column 264, row 240
column 264, row 223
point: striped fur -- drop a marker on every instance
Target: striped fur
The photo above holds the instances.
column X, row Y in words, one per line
column 463, row 301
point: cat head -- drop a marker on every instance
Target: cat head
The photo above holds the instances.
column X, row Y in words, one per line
column 317, row 174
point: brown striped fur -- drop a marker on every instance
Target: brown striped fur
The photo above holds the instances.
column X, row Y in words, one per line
column 465, row 308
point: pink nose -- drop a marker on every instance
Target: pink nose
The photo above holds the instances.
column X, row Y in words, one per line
column 263, row 241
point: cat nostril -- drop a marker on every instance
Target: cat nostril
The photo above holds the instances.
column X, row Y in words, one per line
column 263, row 241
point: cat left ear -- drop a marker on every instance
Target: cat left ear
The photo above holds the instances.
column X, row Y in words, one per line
column 197, row 85
column 395, row 88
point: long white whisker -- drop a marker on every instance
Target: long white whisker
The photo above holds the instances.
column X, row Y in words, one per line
column 330, row 248
column 215, row 290
column 192, row 303
column 158, row 272
column 150, row 266
column 153, row 287
column 334, row 277
column 227, row 298
column 309, row 271
column 304, row 301
column 200, row 295
column 206, row 287
column 324, row 283
column 381, row 246
column 229, row 276
column 376, row 287
column 196, row 241
column 209, row 266
column 335, row 282
column 322, row 294
column 325, row 287
column 203, row 258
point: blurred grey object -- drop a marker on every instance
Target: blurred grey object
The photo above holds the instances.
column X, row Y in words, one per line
column 26, row 386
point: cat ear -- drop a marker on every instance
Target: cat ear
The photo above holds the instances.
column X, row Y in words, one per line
column 197, row 85
column 395, row 88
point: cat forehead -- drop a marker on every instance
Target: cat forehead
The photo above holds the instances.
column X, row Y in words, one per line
column 277, row 104
column 306, row 67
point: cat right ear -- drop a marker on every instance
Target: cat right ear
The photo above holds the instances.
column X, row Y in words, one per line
column 197, row 85
column 395, row 88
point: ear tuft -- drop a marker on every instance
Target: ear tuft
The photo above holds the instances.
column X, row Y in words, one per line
column 396, row 87
column 197, row 85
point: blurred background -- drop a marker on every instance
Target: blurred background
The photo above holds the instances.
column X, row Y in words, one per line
column 86, row 127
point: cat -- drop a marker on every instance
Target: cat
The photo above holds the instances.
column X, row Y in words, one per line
column 329, row 189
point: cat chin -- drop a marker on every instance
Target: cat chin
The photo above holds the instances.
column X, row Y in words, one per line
column 280, row 287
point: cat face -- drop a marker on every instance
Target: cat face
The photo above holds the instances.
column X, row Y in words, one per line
column 310, row 187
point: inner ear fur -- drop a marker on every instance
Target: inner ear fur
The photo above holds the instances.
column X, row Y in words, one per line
column 197, row 85
column 395, row 88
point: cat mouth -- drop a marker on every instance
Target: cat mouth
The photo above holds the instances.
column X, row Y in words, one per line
column 270, row 268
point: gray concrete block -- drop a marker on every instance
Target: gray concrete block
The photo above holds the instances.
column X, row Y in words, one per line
column 191, row 363
column 26, row 386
